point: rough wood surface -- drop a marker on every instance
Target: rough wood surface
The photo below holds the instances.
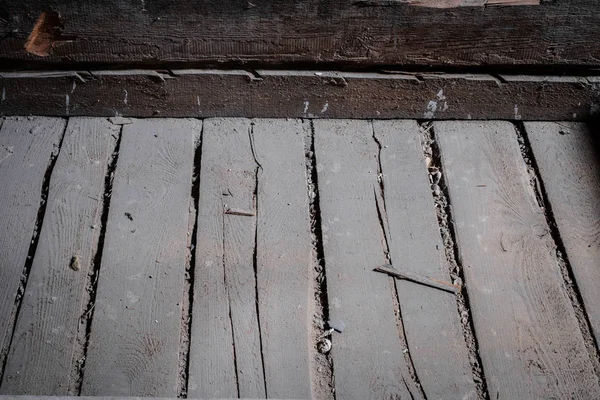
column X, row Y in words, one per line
column 569, row 165
column 42, row 354
column 325, row 31
column 12, row 397
column 298, row 94
column 225, row 355
column 26, row 146
column 529, row 338
column 134, row 340
column 367, row 358
column 283, row 256
column 431, row 319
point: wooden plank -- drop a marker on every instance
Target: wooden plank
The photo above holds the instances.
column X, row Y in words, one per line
column 431, row 320
column 42, row 354
column 308, row 31
column 134, row 341
column 529, row 338
column 367, row 358
column 26, row 146
column 567, row 157
column 283, row 256
column 225, row 355
column 298, row 94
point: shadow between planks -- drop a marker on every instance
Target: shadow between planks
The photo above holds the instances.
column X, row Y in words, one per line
column 177, row 258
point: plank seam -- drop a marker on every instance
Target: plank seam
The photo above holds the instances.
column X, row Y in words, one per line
column 322, row 369
column 85, row 321
column 569, row 281
column 380, row 204
column 188, row 289
column 443, row 208
column 16, row 309
column 255, row 253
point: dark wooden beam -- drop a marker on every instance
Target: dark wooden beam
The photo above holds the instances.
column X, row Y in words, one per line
column 304, row 94
column 360, row 32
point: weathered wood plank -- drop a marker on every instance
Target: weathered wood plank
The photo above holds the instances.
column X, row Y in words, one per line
column 134, row 341
column 225, row 341
column 431, row 320
column 567, row 157
column 530, row 343
column 367, row 357
column 298, row 94
column 26, row 146
column 12, row 397
column 359, row 32
column 42, row 354
column 283, row 256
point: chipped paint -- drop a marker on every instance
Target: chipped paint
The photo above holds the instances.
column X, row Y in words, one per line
column 198, row 102
column 325, row 107
column 3, row 94
column 306, row 103
column 126, row 96
column 517, row 114
column 440, row 95
column 74, row 86
column 67, row 101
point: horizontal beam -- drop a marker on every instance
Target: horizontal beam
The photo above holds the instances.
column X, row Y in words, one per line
column 304, row 94
column 349, row 32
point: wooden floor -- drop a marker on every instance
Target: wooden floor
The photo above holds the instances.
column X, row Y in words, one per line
column 227, row 258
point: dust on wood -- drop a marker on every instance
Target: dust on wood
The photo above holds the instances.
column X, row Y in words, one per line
column 284, row 261
column 27, row 148
column 566, row 155
column 368, row 357
column 44, row 349
column 430, row 318
column 225, row 353
column 529, row 338
column 134, row 340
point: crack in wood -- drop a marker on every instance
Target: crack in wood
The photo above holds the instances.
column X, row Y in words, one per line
column 445, row 222
column 383, row 222
column 566, row 270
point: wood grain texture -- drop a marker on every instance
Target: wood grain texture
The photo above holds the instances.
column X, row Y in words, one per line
column 298, row 94
column 134, row 340
column 26, row 146
column 283, row 256
column 42, row 354
column 431, row 319
column 225, row 354
column 529, row 340
column 367, row 358
column 324, row 31
column 569, row 166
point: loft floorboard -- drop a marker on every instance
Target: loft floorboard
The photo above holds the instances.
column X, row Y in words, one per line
column 233, row 258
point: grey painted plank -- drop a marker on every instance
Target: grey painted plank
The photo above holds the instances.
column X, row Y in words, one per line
column 225, row 323
column 530, row 343
column 569, row 166
column 367, row 357
column 12, row 397
column 431, row 320
column 284, row 263
column 42, row 354
column 26, row 146
column 134, row 341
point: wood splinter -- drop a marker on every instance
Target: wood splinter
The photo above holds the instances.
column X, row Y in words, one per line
column 239, row 211
column 417, row 278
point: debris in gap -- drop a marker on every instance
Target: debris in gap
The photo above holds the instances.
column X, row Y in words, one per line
column 75, row 263
column 129, row 216
column 324, row 346
column 417, row 278
column 337, row 324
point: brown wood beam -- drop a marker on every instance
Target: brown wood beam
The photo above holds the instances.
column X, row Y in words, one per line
column 304, row 94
